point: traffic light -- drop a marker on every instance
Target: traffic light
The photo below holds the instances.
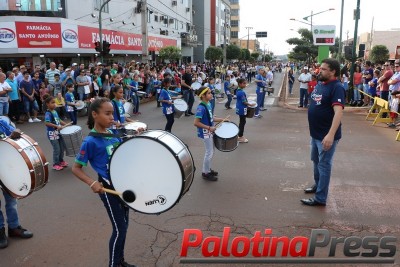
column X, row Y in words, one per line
column 97, row 46
column 348, row 52
column 106, row 48
column 361, row 50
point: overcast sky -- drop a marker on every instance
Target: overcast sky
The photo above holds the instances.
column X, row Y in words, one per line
column 274, row 16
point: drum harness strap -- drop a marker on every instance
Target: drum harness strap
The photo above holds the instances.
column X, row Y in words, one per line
column 116, row 108
column 207, row 114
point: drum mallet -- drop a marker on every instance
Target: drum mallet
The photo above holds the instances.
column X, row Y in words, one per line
column 127, row 195
column 224, row 119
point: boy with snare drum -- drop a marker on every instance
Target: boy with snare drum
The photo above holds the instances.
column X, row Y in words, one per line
column 241, row 108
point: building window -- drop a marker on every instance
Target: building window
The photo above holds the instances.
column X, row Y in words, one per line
column 234, row 34
column 31, row 5
column 234, row 1
column 234, row 12
column 234, row 23
column 99, row 3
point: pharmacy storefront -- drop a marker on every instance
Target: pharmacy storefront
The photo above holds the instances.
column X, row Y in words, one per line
column 37, row 40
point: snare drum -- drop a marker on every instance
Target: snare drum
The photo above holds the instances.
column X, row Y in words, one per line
column 251, row 110
column 132, row 128
column 23, row 167
column 196, row 85
column 180, row 106
column 226, row 136
column 81, row 108
column 72, row 137
column 128, row 106
column 157, row 188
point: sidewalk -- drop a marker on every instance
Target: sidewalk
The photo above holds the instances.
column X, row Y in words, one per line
column 292, row 101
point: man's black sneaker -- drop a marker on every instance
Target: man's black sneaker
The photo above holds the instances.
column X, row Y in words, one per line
column 3, row 238
column 125, row 264
column 19, row 232
column 214, row 172
column 209, row 176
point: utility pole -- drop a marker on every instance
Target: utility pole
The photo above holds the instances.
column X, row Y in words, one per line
column 145, row 49
column 225, row 29
column 339, row 54
column 353, row 57
column 248, row 36
column 101, row 30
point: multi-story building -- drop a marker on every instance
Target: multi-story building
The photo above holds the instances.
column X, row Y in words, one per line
column 252, row 44
column 390, row 39
column 211, row 23
column 37, row 32
column 235, row 21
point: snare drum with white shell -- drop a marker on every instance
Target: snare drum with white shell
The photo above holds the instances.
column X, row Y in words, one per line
column 196, row 85
column 133, row 127
column 226, row 136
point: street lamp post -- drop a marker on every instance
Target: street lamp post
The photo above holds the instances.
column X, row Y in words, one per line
column 100, row 29
column 313, row 14
column 248, row 36
column 225, row 29
column 339, row 54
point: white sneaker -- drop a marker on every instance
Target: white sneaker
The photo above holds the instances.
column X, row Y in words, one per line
column 36, row 120
column 30, row 120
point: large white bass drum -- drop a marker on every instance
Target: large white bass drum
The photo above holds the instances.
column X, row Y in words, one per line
column 156, row 166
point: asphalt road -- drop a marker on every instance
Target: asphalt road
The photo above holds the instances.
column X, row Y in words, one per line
column 259, row 187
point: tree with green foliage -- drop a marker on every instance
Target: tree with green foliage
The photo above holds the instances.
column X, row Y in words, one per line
column 379, row 54
column 232, row 52
column 304, row 49
column 254, row 56
column 244, row 54
column 213, row 53
column 170, row 53
column 267, row 58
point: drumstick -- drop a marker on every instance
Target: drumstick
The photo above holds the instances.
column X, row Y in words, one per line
column 224, row 119
column 127, row 195
column 67, row 124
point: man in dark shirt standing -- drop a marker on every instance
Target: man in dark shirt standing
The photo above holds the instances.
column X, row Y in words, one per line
column 324, row 115
column 187, row 90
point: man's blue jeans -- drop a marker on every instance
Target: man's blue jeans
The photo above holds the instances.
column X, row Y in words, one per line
column 322, row 168
column 11, row 211
column 303, row 97
column 189, row 98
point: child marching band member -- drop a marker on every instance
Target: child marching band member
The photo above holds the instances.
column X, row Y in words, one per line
column 211, row 85
column 97, row 151
column 204, row 121
column 167, row 104
column 241, row 108
column 71, row 104
column 54, row 124
column 227, row 90
column 134, row 87
column 116, row 97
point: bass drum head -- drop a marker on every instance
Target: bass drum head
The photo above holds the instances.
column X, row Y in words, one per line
column 157, row 188
column 14, row 172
